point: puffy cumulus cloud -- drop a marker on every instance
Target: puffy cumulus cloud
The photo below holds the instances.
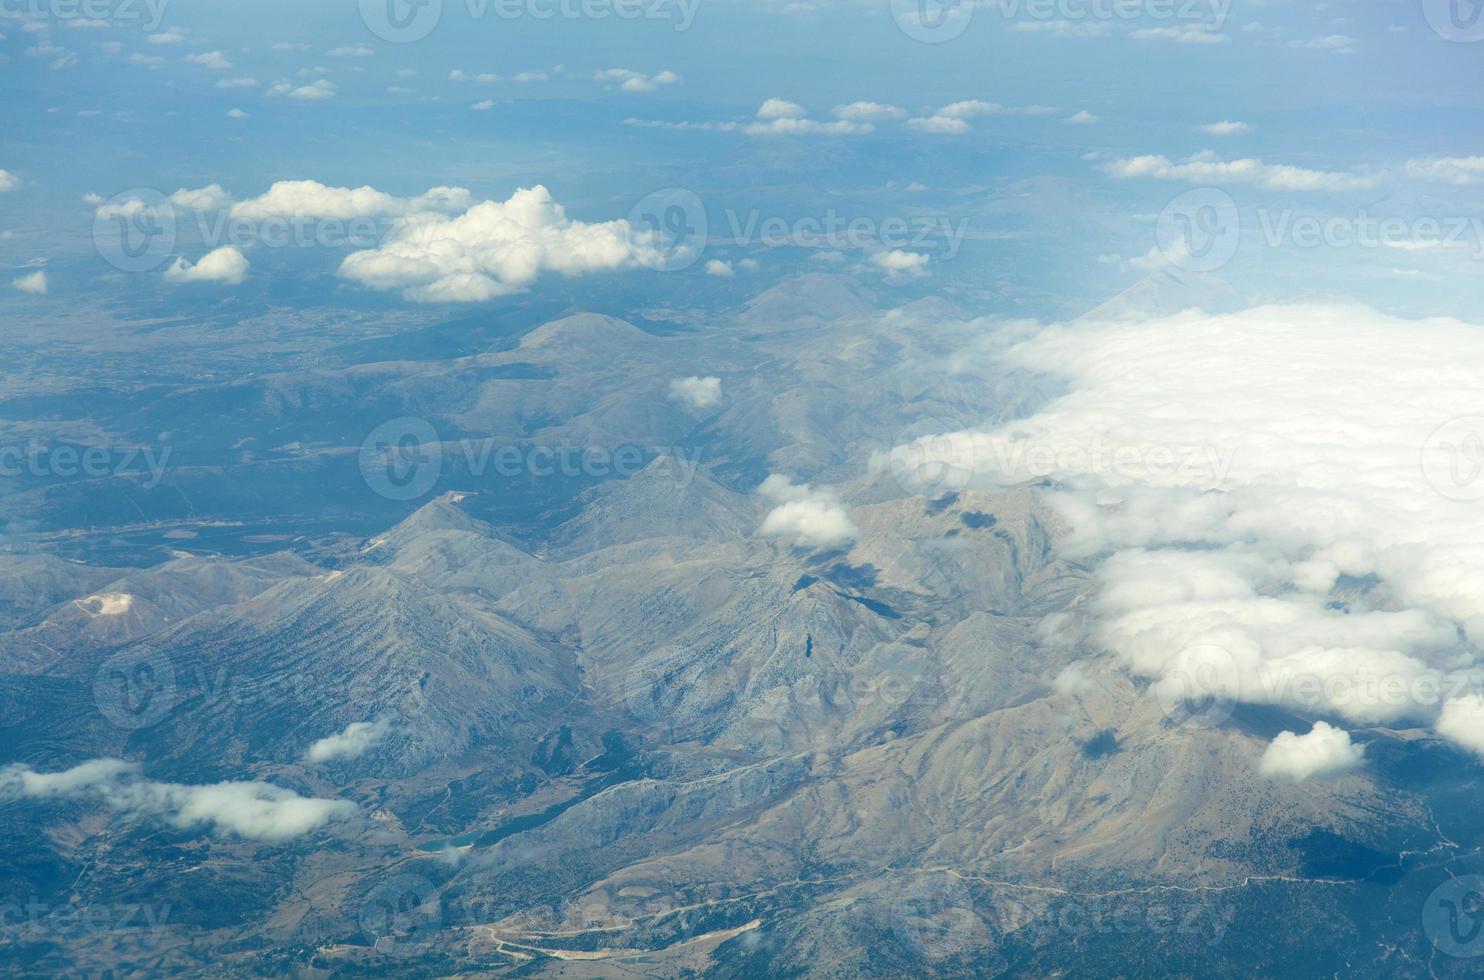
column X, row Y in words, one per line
column 313, row 92
column 224, row 265
column 351, row 743
column 720, row 269
column 214, row 60
column 633, row 81
column 1225, row 127
column 1281, row 506
column 34, row 283
column 697, row 393
column 868, row 112
column 777, row 117
column 1325, row 751
column 809, row 517
column 299, row 199
column 496, row 248
column 252, row 810
column 1187, row 34
column 1082, row 118
column 1206, row 168
column 1462, row 722
column 780, row 109
column 901, row 263
column 953, row 118
column 8, row 181
column 1454, row 170
column 208, row 198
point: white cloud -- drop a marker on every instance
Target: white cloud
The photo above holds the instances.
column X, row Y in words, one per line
column 780, row 118
column 810, row 517
column 1225, row 128
column 236, row 114
column 780, row 109
column 349, row 744
column 252, row 810
column 1337, row 43
column 941, row 125
column 698, row 393
column 898, row 262
column 1283, row 504
column 313, row 92
column 1207, row 168
column 1462, row 722
column 633, row 81
column 214, row 60
column 173, row 35
column 496, row 248
column 720, row 269
column 1453, row 170
column 353, row 51
column 1189, row 34
column 311, row 199
column 208, row 198
column 225, row 265
column 1325, row 751
column 35, row 283
column 230, row 83
column 484, row 105
column 868, row 112
column 8, row 181
column 1083, row 118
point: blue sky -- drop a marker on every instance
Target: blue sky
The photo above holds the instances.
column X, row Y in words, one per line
column 1028, row 198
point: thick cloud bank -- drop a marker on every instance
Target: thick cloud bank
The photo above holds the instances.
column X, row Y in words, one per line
column 1284, row 505
column 256, row 811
